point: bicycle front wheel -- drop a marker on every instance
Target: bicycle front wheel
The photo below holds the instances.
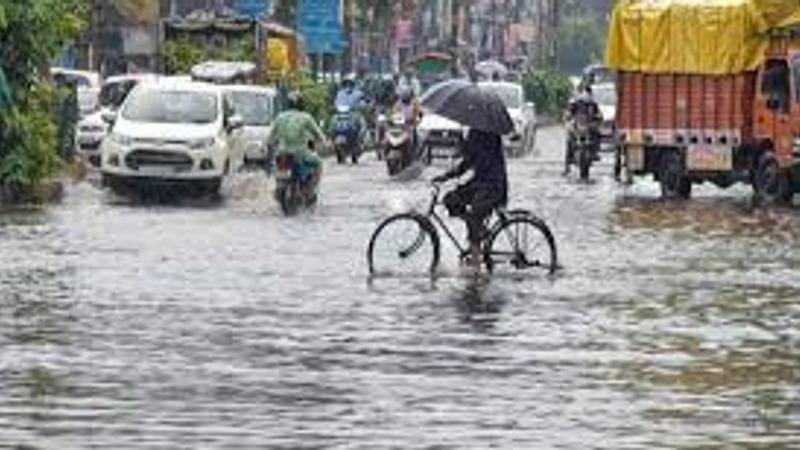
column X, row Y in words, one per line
column 523, row 244
column 405, row 244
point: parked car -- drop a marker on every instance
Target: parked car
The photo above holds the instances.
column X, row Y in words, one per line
column 169, row 133
column 88, row 84
column 92, row 129
column 258, row 107
column 523, row 138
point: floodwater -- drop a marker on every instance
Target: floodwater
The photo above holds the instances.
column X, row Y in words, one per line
column 226, row 326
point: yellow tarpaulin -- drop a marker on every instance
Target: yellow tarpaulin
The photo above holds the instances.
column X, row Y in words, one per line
column 694, row 36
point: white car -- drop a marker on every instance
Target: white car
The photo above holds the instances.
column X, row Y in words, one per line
column 169, row 133
column 92, row 129
column 258, row 107
column 88, row 84
column 523, row 138
column 605, row 94
column 440, row 136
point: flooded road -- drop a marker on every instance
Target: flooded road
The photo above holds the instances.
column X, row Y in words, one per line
column 222, row 326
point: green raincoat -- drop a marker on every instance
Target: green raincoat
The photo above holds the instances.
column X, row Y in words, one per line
column 291, row 133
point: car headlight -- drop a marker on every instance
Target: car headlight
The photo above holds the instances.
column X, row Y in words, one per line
column 121, row 139
column 201, row 144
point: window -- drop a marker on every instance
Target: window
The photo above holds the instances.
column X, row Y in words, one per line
column 775, row 85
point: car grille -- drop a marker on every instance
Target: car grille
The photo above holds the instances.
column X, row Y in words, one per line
column 92, row 128
column 144, row 158
column 159, row 142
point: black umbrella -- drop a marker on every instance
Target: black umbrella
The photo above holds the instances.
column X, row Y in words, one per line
column 467, row 104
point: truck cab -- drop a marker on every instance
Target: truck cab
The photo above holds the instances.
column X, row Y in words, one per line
column 776, row 127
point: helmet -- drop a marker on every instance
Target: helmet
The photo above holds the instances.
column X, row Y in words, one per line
column 294, row 100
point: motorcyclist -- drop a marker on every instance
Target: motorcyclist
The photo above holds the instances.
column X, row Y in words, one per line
column 292, row 133
column 350, row 98
column 409, row 107
column 583, row 109
column 488, row 188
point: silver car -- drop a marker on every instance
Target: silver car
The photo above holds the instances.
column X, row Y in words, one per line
column 258, row 107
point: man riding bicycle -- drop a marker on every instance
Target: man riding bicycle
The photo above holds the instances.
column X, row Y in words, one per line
column 474, row 201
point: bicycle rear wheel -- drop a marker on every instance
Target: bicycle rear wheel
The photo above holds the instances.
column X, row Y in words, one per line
column 522, row 244
column 405, row 244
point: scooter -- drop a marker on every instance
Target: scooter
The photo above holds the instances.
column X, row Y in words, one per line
column 294, row 188
column 399, row 145
column 347, row 138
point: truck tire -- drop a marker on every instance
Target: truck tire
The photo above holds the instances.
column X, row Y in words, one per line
column 672, row 178
column 772, row 185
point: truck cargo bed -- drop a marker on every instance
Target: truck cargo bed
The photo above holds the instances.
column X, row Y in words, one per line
column 681, row 109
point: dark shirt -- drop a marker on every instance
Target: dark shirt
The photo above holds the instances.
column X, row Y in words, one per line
column 483, row 153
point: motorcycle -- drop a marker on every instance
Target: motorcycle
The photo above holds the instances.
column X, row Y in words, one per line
column 582, row 147
column 400, row 151
column 381, row 128
column 294, row 188
column 347, row 139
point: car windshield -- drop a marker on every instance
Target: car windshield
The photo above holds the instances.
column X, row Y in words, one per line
column 159, row 106
column 510, row 94
column 255, row 109
column 113, row 94
column 605, row 94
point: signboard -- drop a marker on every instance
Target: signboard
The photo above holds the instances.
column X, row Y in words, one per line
column 320, row 24
column 252, row 8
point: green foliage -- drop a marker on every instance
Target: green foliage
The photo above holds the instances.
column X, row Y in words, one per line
column 32, row 33
column 582, row 42
column 549, row 90
column 181, row 54
column 29, row 137
column 316, row 96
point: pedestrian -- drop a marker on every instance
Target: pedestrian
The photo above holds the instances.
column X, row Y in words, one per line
column 474, row 201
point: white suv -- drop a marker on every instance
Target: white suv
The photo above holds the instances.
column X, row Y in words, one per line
column 169, row 133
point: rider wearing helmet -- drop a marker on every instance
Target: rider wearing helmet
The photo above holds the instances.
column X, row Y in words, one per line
column 408, row 105
column 293, row 132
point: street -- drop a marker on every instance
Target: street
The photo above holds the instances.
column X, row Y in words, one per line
column 222, row 325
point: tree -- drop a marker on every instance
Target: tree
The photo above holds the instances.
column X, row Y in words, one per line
column 32, row 33
column 581, row 43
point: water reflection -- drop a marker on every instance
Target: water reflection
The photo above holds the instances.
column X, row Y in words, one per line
column 720, row 216
column 478, row 303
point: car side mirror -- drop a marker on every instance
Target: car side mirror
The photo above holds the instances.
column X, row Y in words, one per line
column 235, row 123
column 109, row 117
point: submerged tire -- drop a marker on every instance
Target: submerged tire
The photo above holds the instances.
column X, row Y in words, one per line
column 509, row 246
column 288, row 196
column 772, row 185
column 672, row 178
column 584, row 163
column 398, row 239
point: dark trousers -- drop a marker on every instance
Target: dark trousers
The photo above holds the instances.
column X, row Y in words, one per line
column 474, row 203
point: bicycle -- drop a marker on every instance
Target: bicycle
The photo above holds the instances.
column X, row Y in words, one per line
column 502, row 245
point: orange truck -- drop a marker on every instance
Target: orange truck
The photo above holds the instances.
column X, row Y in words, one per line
column 709, row 91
